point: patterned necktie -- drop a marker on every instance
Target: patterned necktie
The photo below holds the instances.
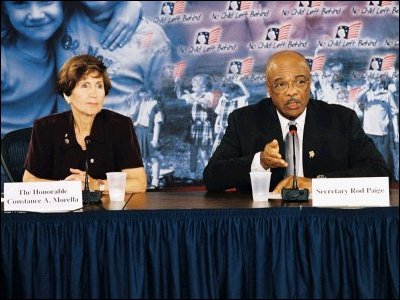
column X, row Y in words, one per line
column 289, row 150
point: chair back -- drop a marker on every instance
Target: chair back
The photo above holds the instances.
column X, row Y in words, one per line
column 14, row 147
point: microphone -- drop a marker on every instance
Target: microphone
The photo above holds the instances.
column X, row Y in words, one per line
column 294, row 193
column 89, row 196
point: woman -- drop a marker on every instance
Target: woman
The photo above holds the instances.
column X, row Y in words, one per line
column 62, row 144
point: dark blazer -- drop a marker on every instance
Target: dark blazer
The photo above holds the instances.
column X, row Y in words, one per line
column 53, row 149
column 334, row 144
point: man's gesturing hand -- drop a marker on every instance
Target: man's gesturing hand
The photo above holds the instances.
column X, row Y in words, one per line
column 270, row 156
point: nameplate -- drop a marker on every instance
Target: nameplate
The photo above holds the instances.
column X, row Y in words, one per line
column 49, row 196
column 351, row 192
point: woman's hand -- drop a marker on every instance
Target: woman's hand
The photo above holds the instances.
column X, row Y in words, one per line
column 79, row 175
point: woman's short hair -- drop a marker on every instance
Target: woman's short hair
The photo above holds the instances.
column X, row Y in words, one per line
column 76, row 68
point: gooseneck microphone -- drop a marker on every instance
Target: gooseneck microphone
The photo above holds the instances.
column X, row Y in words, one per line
column 293, row 132
column 89, row 196
column 294, row 194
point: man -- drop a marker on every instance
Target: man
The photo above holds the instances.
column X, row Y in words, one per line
column 332, row 141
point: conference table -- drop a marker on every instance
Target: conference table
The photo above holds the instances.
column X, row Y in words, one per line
column 172, row 245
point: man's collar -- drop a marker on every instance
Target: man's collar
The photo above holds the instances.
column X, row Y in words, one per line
column 300, row 120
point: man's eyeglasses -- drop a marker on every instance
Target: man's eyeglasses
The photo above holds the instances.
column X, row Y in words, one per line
column 299, row 83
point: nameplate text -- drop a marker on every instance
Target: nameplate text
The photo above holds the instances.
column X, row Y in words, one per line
column 49, row 196
column 352, row 192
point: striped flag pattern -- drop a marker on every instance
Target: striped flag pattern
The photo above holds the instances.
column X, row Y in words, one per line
column 179, row 69
column 354, row 30
column 179, row 7
column 284, row 32
column 316, row 3
column 388, row 62
column 214, row 36
column 247, row 66
column 318, row 63
column 245, row 5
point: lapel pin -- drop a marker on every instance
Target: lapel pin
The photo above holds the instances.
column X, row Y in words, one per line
column 311, row 154
column 66, row 141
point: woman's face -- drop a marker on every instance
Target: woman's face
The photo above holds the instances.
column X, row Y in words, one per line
column 341, row 33
column 375, row 65
column 201, row 39
column 234, row 69
column 272, row 35
column 35, row 20
column 87, row 98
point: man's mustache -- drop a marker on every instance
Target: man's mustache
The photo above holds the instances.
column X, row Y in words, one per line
column 292, row 100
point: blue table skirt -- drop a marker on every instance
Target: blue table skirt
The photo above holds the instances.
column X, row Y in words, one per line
column 221, row 253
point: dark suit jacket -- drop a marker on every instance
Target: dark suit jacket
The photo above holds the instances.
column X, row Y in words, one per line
column 332, row 133
column 53, row 148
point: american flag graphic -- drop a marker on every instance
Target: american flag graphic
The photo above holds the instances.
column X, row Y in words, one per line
column 316, row 3
column 385, row 3
column 353, row 94
column 146, row 40
column 309, row 62
column 388, row 62
column 179, row 69
column 179, row 7
column 247, row 66
column 284, row 32
column 214, row 36
column 245, row 5
column 354, row 30
column 318, row 63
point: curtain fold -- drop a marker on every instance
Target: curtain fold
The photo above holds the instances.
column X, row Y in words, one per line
column 221, row 253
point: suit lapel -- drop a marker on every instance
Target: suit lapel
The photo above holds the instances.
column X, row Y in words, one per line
column 271, row 128
column 313, row 139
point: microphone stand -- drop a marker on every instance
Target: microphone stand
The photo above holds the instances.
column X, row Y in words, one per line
column 88, row 196
column 294, row 194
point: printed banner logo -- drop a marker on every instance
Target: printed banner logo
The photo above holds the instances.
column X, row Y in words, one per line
column 172, row 8
column 241, row 67
column 310, row 3
column 208, row 37
column 316, row 63
column 278, row 34
column 380, row 3
column 239, row 5
column 382, row 64
column 349, row 32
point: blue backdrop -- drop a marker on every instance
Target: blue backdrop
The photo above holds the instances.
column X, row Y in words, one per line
column 350, row 46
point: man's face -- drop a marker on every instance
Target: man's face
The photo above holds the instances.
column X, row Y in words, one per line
column 288, row 84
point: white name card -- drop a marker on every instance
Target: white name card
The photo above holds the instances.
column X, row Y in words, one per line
column 48, row 196
column 352, row 192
